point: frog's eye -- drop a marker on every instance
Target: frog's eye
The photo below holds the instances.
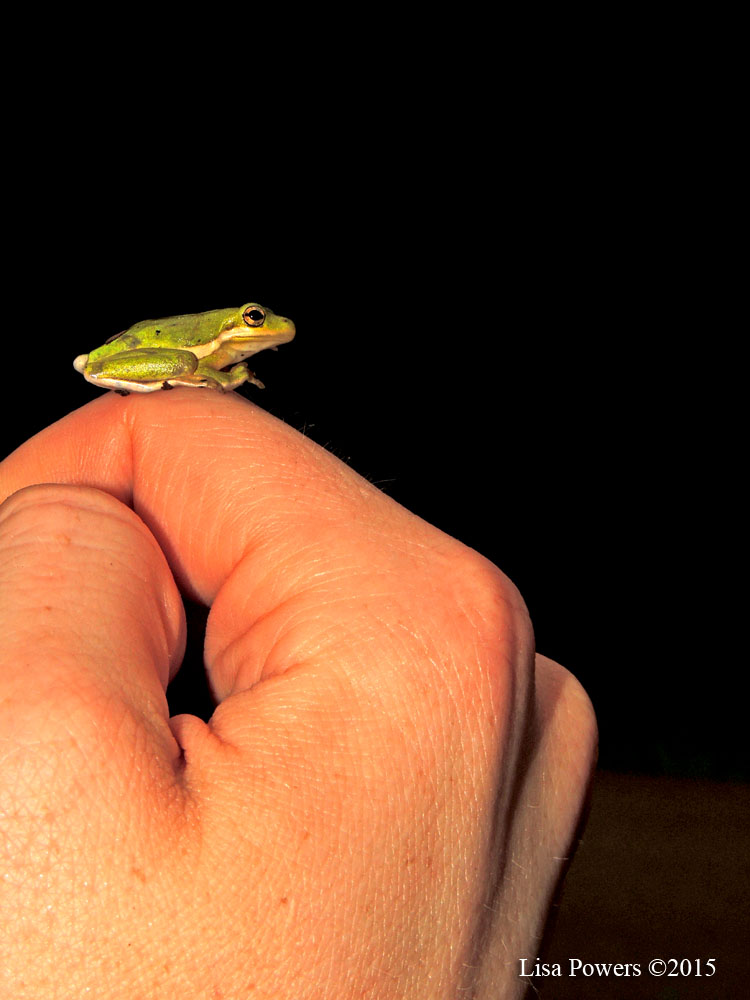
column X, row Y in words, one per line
column 254, row 316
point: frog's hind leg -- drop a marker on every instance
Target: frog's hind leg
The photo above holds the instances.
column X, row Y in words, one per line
column 141, row 370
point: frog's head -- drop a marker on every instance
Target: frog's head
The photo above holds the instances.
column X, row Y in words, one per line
column 256, row 325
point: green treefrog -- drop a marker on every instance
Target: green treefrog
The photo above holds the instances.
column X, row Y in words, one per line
column 187, row 350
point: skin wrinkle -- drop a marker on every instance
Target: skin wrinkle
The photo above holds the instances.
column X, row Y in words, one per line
column 274, row 583
column 236, row 652
column 307, row 597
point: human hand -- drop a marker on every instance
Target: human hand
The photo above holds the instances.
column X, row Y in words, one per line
column 382, row 801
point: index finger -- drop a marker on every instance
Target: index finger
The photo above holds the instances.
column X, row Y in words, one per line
column 212, row 475
column 243, row 504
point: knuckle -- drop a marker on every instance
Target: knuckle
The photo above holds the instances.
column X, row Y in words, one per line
column 56, row 502
column 491, row 599
column 485, row 620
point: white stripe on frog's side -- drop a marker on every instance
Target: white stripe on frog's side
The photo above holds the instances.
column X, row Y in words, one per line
column 246, row 346
column 203, row 350
column 120, row 383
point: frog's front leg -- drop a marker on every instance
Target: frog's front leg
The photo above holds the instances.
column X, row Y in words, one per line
column 225, row 380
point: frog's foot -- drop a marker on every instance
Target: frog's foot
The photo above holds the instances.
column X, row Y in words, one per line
column 234, row 377
column 193, row 381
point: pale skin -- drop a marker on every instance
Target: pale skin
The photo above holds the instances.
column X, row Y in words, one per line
column 381, row 805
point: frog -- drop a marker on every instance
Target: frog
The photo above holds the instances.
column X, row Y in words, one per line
column 189, row 350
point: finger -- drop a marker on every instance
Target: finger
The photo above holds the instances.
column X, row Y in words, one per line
column 91, row 618
column 237, row 499
column 558, row 782
column 557, row 768
column 211, row 475
column 567, row 734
